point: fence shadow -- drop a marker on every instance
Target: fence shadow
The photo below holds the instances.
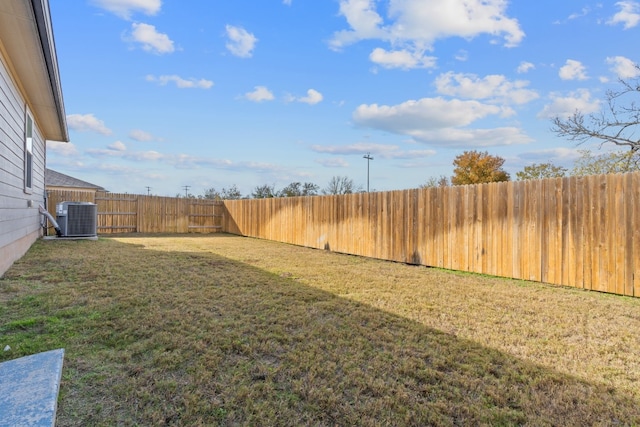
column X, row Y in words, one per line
column 168, row 336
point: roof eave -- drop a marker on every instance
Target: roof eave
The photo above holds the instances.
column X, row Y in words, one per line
column 27, row 44
column 47, row 41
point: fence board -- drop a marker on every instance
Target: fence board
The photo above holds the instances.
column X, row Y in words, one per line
column 600, row 231
column 516, row 226
column 634, row 196
column 589, row 208
column 505, row 194
column 619, row 235
column 577, row 222
column 479, row 228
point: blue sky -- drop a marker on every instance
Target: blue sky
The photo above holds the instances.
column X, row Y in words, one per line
column 200, row 93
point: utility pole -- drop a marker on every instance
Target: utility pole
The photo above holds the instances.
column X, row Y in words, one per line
column 186, row 190
column 369, row 158
column 148, row 190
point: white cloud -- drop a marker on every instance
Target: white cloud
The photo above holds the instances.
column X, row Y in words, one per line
column 241, row 43
column 103, row 152
column 117, row 146
column 628, row 16
column 313, row 97
column 404, row 59
column 438, row 121
column 419, row 23
column 577, row 15
column 623, row 67
column 260, row 94
column 464, row 137
column 584, row 12
column 144, row 155
column 65, row 149
column 334, row 162
column 410, row 154
column 558, row 154
column 525, row 67
column 356, row 148
column 141, row 136
column 287, row 2
column 495, row 88
column 565, row 106
column 124, row 8
column 87, row 123
column 462, row 55
column 180, row 82
column 188, row 161
column 364, row 22
column 377, row 150
column 422, row 114
column 573, row 70
column 150, row 39
column 119, row 151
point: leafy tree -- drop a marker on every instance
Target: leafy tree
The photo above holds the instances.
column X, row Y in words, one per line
column 541, row 171
column 474, row 167
column 187, row 196
column 443, row 181
column 340, row 185
column 231, row 193
column 212, row 193
column 616, row 123
column 265, row 191
column 612, row 162
column 310, row 189
column 298, row 189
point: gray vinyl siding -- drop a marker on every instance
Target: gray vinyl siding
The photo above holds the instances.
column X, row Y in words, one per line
column 17, row 219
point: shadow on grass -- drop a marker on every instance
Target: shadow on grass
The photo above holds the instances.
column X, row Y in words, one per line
column 182, row 338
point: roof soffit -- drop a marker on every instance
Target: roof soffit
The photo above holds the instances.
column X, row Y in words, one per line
column 20, row 39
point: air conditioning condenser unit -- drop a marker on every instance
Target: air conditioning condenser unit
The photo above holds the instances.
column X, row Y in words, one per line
column 77, row 219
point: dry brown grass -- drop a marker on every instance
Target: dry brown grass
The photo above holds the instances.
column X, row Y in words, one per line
column 222, row 330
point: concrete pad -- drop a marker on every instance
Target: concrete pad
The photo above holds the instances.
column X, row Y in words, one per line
column 70, row 238
column 29, row 389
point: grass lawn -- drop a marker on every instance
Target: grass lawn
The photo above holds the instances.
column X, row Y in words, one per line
column 225, row 330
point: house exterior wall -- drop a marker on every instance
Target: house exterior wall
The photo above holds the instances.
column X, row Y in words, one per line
column 19, row 216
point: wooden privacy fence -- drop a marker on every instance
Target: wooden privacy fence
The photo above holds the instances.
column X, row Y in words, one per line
column 577, row 231
column 131, row 213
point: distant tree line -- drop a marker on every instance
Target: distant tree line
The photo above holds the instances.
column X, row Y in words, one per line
column 470, row 167
column 337, row 185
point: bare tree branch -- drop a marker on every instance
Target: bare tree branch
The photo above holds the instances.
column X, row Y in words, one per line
column 618, row 123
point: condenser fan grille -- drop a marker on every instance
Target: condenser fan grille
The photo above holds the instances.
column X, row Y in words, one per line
column 77, row 219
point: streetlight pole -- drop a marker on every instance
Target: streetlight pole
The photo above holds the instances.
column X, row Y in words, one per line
column 369, row 158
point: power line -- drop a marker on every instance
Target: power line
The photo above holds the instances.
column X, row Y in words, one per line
column 186, row 190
